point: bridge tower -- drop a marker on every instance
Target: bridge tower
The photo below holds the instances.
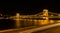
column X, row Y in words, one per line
column 17, row 18
column 45, row 14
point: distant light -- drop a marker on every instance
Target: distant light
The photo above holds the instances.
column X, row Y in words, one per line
column 58, row 14
column 58, row 21
column 51, row 15
column 51, row 21
column 45, row 10
column 44, row 17
column 17, row 14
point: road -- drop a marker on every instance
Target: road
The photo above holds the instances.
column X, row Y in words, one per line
column 54, row 28
column 38, row 29
column 50, row 30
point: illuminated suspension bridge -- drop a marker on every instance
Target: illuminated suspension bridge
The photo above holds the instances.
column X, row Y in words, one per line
column 40, row 18
column 44, row 15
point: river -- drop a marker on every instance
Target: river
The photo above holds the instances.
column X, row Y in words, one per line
column 11, row 24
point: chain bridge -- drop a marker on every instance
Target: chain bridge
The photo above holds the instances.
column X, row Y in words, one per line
column 39, row 19
column 45, row 14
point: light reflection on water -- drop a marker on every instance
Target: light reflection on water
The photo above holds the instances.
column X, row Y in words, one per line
column 7, row 24
column 43, row 22
column 28, row 23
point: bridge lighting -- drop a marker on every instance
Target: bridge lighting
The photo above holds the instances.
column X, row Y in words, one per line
column 17, row 15
column 51, row 15
column 45, row 12
column 44, row 17
column 58, row 21
column 1, row 14
column 58, row 14
column 51, row 21
column 17, row 18
column 35, row 22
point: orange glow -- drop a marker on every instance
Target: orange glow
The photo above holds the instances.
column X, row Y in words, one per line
column 44, row 17
column 17, row 20
column 45, row 12
column 35, row 22
column 45, row 21
column 58, row 21
column 40, row 22
column 51, row 21
column 58, row 14
column 51, row 15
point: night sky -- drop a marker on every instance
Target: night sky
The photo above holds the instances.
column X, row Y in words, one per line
column 28, row 7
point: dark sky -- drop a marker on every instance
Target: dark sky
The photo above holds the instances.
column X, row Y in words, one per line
column 28, row 7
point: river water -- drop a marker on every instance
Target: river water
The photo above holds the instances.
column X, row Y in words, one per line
column 6, row 24
column 11, row 24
